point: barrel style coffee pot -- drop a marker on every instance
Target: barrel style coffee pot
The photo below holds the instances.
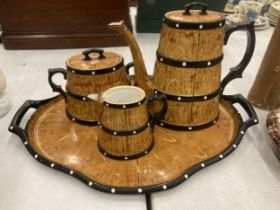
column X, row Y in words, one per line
column 188, row 65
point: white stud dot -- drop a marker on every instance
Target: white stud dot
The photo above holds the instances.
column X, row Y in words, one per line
column 255, row 121
column 146, row 152
column 114, row 69
column 113, row 190
column 71, row 172
column 93, row 72
column 11, row 127
column 52, row 165
column 179, row 98
column 90, row 183
column 126, row 158
column 184, row 64
column 73, row 119
column 134, row 132
column 221, row 156
column 115, row 133
column 209, row 63
column 202, row 165
column 73, row 71
column 161, row 59
column 25, row 143
column 107, row 105
column 214, row 122
column 242, row 132
column 164, row 187
column 177, row 25
column 105, row 153
column 98, row 123
column 220, row 24
column 190, row 128
column 139, row 190
column 36, row 156
column 148, row 125
column 234, row 146
column 84, row 98
column 186, row 176
column 200, row 26
column 156, row 91
column 161, row 124
column 124, row 106
column 205, row 97
column 139, row 103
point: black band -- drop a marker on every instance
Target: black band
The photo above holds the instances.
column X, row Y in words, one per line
column 125, row 133
column 125, row 106
column 194, row 26
column 78, row 97
column 191, row 98
column 96, row 72
column 82, row 122
column 131, row 157
column 189, row 64
column 187, row 128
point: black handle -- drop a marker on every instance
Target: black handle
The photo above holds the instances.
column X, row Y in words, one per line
column 238, row 98
column 203, row 6
column 15, row 124
column 128, row 66
column 93, row 50
column 55, row 87
column 236, row 72
column 160, row 114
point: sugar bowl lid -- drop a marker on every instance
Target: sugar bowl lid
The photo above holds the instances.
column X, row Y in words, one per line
column 194, row 19
column 94, row 60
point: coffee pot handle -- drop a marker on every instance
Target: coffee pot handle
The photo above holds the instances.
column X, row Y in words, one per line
column 157, row 116
column 55, row 87
column 236, row 72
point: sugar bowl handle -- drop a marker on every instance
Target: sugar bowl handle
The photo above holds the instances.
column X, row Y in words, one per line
column 189, row 6
column 55, row 87
column 236, row 72
column 93, row 50
column 157, row 116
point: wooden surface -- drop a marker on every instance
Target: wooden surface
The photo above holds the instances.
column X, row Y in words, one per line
column 49, row 24
column 125, row 120
column 58, row 139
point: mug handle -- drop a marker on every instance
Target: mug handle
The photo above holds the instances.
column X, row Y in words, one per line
column 55, row 87
column 236, row 72
column 160, row 114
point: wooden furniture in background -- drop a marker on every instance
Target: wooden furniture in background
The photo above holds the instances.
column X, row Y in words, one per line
column 49, row 24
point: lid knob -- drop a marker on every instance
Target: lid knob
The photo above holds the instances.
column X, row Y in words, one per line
column 93, row 50
column 204, row 7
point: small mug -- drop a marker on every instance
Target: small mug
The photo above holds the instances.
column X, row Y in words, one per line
column 127, row 123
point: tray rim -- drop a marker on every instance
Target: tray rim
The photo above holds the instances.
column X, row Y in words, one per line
column 230, row 99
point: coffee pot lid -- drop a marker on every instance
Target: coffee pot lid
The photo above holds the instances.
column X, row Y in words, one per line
column 194, row 19
column 94, row 59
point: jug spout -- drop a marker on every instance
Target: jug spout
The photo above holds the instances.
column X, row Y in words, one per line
column 141, row 76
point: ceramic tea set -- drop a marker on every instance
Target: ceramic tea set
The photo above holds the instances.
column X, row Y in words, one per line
column 186, row 81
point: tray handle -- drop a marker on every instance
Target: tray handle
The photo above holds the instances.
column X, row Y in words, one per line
column 237, row 71
column 15, row 124
column 238, row 98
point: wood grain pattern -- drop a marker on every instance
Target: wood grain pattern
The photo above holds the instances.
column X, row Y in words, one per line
column 125, row 120
column 58, row 139
column 190, row 45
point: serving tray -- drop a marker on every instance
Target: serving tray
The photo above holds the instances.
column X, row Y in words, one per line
column 57, row 142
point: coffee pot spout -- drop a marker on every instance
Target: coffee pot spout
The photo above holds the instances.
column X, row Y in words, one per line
column 141, row 76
